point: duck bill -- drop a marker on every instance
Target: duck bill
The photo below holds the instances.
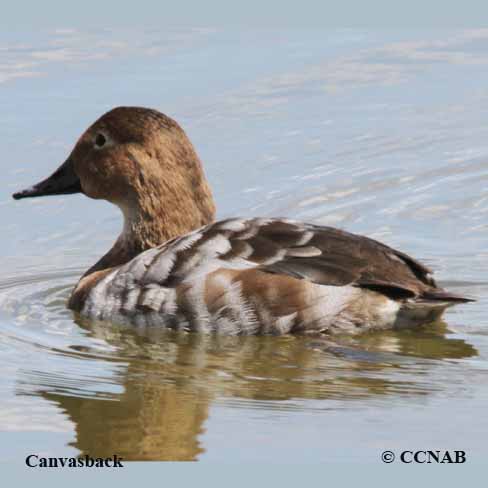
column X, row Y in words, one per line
column 62, row 182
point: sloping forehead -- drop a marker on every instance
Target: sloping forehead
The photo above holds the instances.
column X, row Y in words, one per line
column 133, row 124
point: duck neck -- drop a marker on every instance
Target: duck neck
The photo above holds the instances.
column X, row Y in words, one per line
column 148, row 223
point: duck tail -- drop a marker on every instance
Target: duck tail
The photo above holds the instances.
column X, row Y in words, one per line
column 439, row 295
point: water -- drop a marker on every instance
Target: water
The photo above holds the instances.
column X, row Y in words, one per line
column 381, row 133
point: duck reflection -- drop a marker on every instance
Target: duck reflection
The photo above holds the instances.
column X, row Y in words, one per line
column 150, row 420
column 170, row 381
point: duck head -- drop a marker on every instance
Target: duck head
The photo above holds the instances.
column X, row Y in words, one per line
column 142, row 161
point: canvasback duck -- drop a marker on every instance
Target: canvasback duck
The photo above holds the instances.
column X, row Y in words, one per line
column 173, row 266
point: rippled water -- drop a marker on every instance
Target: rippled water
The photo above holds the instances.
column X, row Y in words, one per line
column 384, row 134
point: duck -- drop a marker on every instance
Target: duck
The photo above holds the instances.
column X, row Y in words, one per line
column 174, row 266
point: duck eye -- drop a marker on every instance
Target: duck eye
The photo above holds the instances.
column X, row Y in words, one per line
column 100, row 140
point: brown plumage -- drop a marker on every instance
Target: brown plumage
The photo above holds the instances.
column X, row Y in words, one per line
column 173, row 267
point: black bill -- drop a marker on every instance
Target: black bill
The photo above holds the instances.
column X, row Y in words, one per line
column 63, row 181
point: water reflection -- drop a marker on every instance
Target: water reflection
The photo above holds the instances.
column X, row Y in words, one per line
column 151, row 420
column 169, row 381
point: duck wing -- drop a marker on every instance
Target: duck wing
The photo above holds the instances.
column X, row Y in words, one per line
column 319, row 254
